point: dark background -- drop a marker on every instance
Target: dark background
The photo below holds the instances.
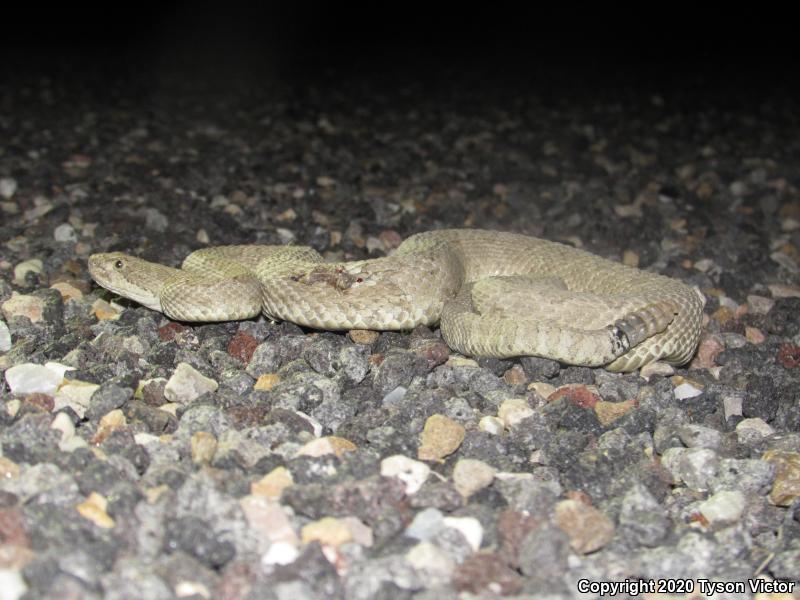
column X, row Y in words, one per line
column 512, row 46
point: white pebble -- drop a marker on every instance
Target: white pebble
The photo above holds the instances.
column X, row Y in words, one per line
column 65, row 233
column 187, row 384
column 280, row 553
column 685, row 391
column 76, row 395
column 470, row 528
column 491, row 425
column 723, row 507
column 471, row 475
column 33, row 265
column 30, row 378
column 753, row 430
column 412, row 473
column 12, row 585
column 8, row 187
column 513, row 411
column 425, row 524
column 432, row 561
column 5, row 337
column 395, row 396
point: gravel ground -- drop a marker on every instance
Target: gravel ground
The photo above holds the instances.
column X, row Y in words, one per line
column 143, row 458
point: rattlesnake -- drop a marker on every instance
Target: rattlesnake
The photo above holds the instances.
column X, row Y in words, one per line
column 493, row 294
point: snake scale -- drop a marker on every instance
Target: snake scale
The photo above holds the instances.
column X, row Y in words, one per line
column 492, row 293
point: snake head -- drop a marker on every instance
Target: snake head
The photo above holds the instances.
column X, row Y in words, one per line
column 130, row 277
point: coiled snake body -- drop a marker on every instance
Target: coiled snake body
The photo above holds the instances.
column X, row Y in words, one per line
column 493, row 294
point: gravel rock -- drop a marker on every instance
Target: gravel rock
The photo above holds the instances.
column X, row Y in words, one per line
column 192, row 459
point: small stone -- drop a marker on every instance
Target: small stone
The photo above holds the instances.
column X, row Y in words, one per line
column 412, row 473
column 577, row 394
column 394, row 397
column 789, row 355
column 267, row 381
column 280, row 553
column 656, row 368
column 29, row 378
column 470, row 476
column 686, row 390
column 492, row 425
column 723, row 508
column 759, row 305
column 272, row 484
column 33, row 265
column 628, row 210
column 362, row 534
column 515, row 376
column 104, row 311
column 268, row 520
column 435, row 565
column 630, row 258
column 545, row 390
column 242, row 346
column 188, row 384
column 754, row 335
column 8, row 469
column 513, row 411
column 469, row 527
column 588, row 528
column 204, row 447
column 750, row 432
column 440, row 437
column 486, row 573
column 65, row 233
column 695, row 467
column 41, row 207
column 12, row 584
column 366, row 337
column 710, row 346
column 64, row 424
column 786, row 487
column 8, row 187
column 327, row 531
column 5, row 337
column 780, row 290
column 23, row 305
column 699, row 436
column 109, row 423
column 76, row 395
column 543, row 552
column 608, row 412
column 67, row 290
column 461, row 361
column 94, row 509
column 327, row 445
column 425, row 524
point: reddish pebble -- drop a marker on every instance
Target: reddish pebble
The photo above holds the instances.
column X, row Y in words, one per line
column 710, row 346
column 242, row 346
column 515, row 375
column 486, row 572
column 789, row 355
column 168, row 332
column 390, row 238
column 512, row 527
column 579, row 395
column 40, row 401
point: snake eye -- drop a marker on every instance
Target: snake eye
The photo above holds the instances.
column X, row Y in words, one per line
column 119, row 264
